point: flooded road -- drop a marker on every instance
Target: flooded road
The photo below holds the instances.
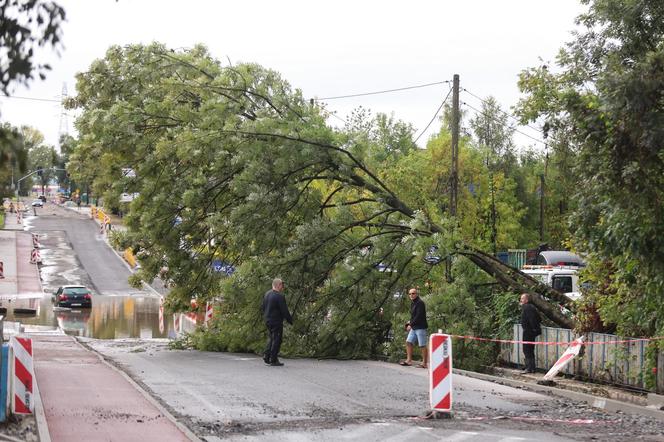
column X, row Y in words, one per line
column 74, row 253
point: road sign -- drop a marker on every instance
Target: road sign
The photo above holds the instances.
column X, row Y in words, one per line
column 222, row 267
column 432, row 256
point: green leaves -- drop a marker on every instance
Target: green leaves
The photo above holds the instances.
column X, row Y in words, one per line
column 608, row 99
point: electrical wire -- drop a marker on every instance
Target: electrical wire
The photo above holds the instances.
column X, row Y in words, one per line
column 510, row 127
column 434, row 115
column 503, row 112
column 31, row 98
column 383, row 92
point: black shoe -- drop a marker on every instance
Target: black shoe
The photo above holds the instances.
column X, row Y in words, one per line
column 276, row 364
column 267, row 361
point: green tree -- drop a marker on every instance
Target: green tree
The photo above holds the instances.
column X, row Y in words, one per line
column 232, row 164
column 13, row 158
column 26, row 25
column 606, row 95
column 40, row 156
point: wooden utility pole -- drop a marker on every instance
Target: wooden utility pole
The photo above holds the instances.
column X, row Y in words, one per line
column 541, row 220
column 454, row 175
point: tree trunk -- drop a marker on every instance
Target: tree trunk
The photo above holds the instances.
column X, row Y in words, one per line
column 513, row 279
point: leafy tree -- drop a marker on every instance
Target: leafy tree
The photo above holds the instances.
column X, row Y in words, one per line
column 606, row 94
column 13, row 158
column 26, row 25
column 232, row 164
column 40, row 156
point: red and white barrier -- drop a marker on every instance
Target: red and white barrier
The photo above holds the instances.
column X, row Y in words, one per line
column 35, row 240
column 22, row 375
column 208, row 312
column 19, row 217
column 35, row 257
column 161, row 314
column 2, row 270
column 102, row 228
column 177, row 326
column 569, row 354
column 440, row 372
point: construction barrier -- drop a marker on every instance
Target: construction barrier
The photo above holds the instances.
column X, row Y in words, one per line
column 176, row 323
column 35, row 257
column 22, row 375
column 102, row 228
column 2, row 270
column 572, row 350
column 129, row 257
column 35, row 240
column 4, row 380
column 208, row 312
column 161, row 314
column 440, row 372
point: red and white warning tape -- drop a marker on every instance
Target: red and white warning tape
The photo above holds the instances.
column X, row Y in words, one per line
column 511, row 341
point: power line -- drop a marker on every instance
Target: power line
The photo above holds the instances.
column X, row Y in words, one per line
column 434, row 115
column 510, row 127
column 503, row 112
column 382, row 92
column 31, row 98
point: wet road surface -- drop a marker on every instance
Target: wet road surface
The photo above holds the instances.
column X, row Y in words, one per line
column 73, row 252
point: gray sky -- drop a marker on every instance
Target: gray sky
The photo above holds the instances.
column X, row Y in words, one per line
column 324, row 48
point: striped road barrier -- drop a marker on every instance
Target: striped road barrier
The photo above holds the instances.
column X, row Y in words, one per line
column 440, row 372
column 22, row 375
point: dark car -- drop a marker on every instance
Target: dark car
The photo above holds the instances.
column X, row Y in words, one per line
column 73, row 296
column 42, row 197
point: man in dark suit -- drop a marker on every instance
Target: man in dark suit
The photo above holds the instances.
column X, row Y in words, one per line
column 530, row 322
column 275, row 310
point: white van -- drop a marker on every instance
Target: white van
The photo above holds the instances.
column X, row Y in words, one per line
column 558, row 270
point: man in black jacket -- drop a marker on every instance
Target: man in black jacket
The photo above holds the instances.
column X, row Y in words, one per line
column 275, row 310
column 530, row 322
column 417, row 329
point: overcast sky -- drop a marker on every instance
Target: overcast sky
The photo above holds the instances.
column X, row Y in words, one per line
column 325, row 49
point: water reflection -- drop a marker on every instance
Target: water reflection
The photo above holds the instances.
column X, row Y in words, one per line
column 110, row 317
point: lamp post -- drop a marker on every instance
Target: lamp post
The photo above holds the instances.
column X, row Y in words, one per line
column 18, row 183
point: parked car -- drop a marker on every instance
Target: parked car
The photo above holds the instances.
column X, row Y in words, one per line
column 37, row 203
column 73, row 296
column 42, row 197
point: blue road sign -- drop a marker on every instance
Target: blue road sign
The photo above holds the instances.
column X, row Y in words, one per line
column 222, row 267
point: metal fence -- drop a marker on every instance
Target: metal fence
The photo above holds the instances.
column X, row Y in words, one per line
column 619, row 364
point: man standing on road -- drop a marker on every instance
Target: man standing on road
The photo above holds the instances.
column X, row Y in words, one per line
column 275, row 310
column 417, row 329
column 530, row 322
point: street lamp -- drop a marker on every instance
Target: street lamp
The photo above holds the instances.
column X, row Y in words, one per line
column 18, row 183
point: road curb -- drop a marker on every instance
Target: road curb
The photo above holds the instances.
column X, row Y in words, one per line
column 594, row 401
column 40, row 416
column 186, row 431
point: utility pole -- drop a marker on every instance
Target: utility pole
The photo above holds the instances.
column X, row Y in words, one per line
column 454, row 175
column 541, row 217
column 454, row 172
column 542, row 189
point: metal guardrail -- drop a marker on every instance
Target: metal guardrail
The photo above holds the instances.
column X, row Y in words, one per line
column 621, row 364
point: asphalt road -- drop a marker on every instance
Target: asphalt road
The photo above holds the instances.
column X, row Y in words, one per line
column 235, row 396
column 107, row 274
